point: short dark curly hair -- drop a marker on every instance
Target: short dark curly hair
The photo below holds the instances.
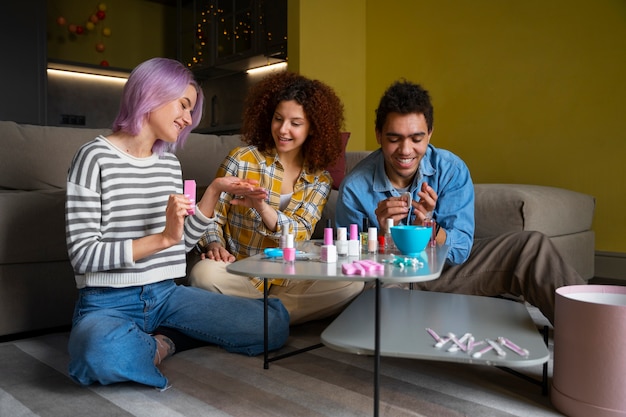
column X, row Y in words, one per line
column 322, row 107
column 404, row 97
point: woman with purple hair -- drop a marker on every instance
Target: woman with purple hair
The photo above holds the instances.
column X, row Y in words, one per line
column 128, row 229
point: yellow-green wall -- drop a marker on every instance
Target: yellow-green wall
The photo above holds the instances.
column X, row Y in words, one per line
column 323, row 45
column 525, row 92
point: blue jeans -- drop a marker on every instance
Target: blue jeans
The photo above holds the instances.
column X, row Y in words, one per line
column 110, row 339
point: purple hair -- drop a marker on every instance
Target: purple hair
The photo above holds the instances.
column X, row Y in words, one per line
column 152, row 84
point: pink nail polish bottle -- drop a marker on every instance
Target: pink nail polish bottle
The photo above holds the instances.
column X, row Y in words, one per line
column 328, row 252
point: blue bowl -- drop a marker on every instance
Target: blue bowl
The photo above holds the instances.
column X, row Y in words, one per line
column 411, row 240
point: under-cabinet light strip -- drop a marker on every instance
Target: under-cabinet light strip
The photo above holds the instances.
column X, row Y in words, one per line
column 267, row 68
column 87, row 76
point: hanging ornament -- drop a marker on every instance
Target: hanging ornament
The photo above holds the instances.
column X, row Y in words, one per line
column 90, row 26
column 61, row 21
column 106, row 32
column 102, row 7
column 101, row 15
column 104, row 63
column 100, row 47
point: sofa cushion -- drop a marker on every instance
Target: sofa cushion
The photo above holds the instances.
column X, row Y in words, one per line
column 503, row 208
column 33, row 226
column 337, row 170
column 202, row 155
column 39, row 156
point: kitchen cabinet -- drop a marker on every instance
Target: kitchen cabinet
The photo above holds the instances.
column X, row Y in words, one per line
column 220, row 37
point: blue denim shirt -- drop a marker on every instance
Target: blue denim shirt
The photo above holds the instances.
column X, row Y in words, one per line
column 446, row 173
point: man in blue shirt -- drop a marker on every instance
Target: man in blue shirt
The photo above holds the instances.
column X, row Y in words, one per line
column 524, row 264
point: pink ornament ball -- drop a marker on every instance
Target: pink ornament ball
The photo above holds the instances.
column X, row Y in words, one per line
column 61, row 21
column 72, row 28
column 93, row 18
column 100, row 47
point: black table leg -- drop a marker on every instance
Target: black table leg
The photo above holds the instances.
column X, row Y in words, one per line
column 266, row 363
column 377, row 349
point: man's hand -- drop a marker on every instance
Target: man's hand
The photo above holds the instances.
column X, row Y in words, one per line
column 426, row 204
column 396, row 208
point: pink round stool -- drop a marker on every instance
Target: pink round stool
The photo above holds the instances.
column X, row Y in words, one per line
column 589, row 377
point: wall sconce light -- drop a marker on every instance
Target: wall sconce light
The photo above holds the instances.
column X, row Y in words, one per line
column 279, row 66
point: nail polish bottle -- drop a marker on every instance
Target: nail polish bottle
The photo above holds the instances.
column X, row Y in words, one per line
column 342, row 241
column 289, row 251
column 354, row 244
column 363, row 235
column 390, row 246
column 283, row 237
column 372, row 240
column 328, row 252
column 429, row 222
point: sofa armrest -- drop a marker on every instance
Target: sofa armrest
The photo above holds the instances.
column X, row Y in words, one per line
column 503, row 208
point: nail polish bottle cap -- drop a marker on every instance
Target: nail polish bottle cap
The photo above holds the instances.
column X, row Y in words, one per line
column 328, row 236
column 354, row 232
column 342, row 233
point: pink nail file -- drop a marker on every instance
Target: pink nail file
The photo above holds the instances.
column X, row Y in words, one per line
column 190, row 190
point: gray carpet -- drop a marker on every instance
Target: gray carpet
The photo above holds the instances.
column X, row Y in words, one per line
column 207, row 381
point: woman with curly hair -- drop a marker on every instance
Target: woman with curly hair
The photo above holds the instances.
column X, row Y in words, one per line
column 292, row 126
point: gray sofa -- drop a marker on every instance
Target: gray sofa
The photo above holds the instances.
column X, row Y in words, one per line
column 37, row 288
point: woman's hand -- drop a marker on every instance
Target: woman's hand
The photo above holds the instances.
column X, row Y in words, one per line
column 240, row 187
column 175, row 212
column 246, row 192
column 217, row 252
column 247, row 189
column 172, row 234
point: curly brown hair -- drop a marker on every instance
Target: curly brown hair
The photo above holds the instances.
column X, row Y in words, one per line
column 322, row 107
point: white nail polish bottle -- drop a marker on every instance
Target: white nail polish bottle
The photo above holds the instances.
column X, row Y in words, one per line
column 354, row 244
column 342, row 241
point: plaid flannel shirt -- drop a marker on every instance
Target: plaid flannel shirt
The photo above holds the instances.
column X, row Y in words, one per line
column 241, row 230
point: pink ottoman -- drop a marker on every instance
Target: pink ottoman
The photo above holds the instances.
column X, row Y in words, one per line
column 589, row 377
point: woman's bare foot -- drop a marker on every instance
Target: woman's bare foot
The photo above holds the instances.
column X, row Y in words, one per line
column 165, row 348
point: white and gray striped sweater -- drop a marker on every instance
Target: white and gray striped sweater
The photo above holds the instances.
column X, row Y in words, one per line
column 114, row 198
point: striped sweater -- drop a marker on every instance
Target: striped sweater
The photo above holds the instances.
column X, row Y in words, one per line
column 114, row 198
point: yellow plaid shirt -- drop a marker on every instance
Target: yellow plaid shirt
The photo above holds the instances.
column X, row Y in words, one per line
column 241, row 230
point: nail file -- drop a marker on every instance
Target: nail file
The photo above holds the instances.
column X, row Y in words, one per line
column 190, row 190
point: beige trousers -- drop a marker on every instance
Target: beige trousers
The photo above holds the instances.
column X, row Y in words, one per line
column 305, row 300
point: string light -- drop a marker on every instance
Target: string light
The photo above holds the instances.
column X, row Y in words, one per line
column 232, row 39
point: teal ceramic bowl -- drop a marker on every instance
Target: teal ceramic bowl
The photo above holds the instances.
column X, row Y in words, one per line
column 411, row 240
